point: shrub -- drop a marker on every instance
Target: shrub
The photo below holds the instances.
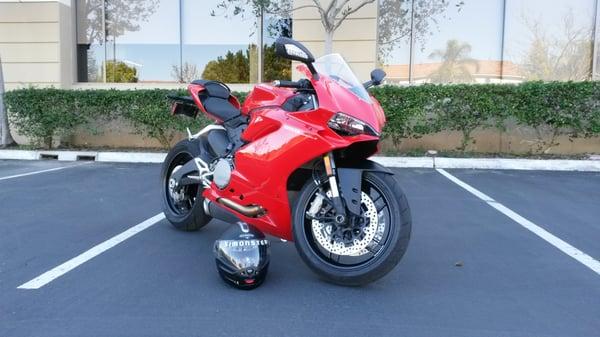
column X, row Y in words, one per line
column 552, row 109
column 43, row 114
column 558, row 108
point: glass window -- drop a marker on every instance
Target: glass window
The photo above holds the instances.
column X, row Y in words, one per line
column 142, row 40
column 218, row 45
column 90, row 40
column 458, row 41
column 394, row 39
column 596, row 51
column 275, row 67
column 549, row 40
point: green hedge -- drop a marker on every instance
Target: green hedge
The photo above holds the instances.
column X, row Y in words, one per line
column 42, row 114
column 551, row 109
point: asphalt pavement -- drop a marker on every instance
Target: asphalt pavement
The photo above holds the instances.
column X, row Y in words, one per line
column 470, row 270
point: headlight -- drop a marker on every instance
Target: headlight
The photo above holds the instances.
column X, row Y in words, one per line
column 349, row 126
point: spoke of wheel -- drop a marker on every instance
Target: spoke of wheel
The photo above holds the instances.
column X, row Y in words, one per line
column 382, row 208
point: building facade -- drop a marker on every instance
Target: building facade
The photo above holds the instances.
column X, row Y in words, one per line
column 150, row 43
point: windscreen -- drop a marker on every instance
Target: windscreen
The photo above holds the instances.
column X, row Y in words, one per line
column 335, row 67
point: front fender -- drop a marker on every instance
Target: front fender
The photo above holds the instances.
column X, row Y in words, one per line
column 350, row 180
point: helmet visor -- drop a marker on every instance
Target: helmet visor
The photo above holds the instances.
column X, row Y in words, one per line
column 243, row 254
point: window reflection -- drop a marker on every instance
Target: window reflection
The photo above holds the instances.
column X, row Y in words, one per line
column 275, row 67
column 394, row 38
column 550, row 41
column 90, row 40
column 433, row 41
column 142, row 40
column 217, row 46
column 465, row 45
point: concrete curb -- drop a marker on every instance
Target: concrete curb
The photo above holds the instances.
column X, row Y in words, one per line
column 492, row 163
column 414, row 162
column 101, row 156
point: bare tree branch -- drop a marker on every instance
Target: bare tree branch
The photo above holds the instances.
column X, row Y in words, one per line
column 352, row 11
column 287, row 12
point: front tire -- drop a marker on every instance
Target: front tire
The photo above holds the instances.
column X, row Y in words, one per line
column 185, row 210
column 342, row 263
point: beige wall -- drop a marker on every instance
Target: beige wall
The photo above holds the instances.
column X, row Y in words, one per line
column 514, row 141
column 355, row 39
column 36, row 43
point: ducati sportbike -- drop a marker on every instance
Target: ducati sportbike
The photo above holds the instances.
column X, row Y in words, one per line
column 293, row 162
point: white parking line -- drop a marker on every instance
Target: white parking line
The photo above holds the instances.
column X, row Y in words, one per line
column 73, row 263
column 42, row 171
column 566, row 248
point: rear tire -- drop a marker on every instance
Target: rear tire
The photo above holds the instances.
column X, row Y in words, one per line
column 395, row 238
column 192, row 218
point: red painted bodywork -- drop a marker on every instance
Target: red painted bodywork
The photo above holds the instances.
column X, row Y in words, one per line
column 281, row 142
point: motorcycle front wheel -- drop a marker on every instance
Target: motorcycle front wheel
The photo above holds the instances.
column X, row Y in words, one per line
column 367, row 246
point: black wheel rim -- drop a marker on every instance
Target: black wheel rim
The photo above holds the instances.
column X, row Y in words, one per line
column 375, row 247
column 188, row 194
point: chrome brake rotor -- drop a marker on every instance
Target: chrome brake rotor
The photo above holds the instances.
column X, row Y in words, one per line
column 324, row 232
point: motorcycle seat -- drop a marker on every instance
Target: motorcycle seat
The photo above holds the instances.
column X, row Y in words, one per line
column 215, row 99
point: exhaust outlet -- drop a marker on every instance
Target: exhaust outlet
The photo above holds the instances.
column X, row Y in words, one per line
column 217, row 211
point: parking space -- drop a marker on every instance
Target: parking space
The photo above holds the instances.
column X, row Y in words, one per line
column 48, row 218
column 12, row 169
column 469, row 271
column 565, row 203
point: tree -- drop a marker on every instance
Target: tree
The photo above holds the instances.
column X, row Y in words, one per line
column 276, row 68
column 231, row 68
column 186, row 73
column 5, row 137
column 455, row 63
column 332, row 15
column 552, row 57
column 120, row 16
column 235, row 67
column 120, row 72
column 395, row 17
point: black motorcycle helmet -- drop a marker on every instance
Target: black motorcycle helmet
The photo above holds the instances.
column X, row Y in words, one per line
column 242, row 256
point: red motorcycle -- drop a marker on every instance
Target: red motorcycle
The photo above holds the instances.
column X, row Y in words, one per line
column 292, row 161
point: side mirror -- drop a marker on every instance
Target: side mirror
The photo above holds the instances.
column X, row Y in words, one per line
column 377, row 77
column 295, row 51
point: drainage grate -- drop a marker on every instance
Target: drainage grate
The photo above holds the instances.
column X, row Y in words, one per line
column 86, row 158
column 47, row 156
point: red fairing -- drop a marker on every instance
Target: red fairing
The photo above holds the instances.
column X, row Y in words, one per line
column 280, row 142
column 334, row 97
column 194, row 90
column 265, row 95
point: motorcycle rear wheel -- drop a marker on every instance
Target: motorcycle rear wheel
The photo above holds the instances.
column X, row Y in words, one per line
column 187, row 212
column 387, row 229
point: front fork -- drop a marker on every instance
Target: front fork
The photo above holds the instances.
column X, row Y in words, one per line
column 338, row 203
